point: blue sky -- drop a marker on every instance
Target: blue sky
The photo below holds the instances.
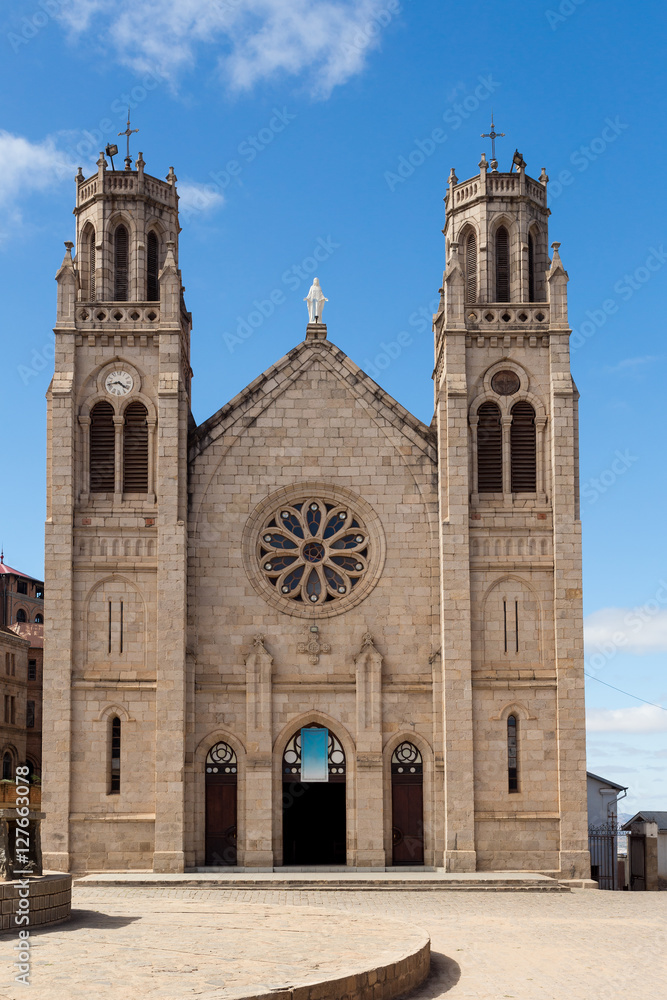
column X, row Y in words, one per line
column 302, row 131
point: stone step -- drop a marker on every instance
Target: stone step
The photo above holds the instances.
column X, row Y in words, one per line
column 331, row 881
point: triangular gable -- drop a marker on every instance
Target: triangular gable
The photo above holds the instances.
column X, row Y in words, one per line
column 262, row 391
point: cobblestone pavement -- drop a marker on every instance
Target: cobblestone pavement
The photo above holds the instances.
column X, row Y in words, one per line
column 584, row 945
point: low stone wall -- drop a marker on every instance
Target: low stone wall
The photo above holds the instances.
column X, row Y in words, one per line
column 50, row 901
column 383, row 983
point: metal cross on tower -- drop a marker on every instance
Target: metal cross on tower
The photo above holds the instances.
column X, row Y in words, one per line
column 493, row 135
column 128, row 132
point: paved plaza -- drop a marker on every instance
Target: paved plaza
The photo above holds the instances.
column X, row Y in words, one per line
column 198, row 943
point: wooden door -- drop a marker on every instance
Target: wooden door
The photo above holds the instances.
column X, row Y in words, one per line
column 220, row 819
column 407, row 809
column 637, row 862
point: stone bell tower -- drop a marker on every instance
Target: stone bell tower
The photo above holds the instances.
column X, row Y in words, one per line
column 506, row 418
column 118, row 411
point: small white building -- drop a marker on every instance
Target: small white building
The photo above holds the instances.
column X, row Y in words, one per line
column 603, row 796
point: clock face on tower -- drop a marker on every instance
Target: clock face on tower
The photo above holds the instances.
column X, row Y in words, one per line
column 118, row 383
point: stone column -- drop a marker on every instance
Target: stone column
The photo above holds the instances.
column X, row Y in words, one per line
column 369, row 791
column 258, row 848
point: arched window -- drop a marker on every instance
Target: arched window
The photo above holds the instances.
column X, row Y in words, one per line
column 91, row 265
column 502, row 265
column 489, row 450
column 135, row 449
column 407, row 805
column 86, row 263
column 114, row 761
column 531, row 268
column 523, row 448
column 39, row 619
column 102, row 449
column 471, row 267
column 152, row 268
column 121, row 257
column 21, row 616
column 512, row 754
column 7, row 769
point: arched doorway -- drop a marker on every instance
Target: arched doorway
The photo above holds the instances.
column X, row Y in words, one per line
column 314, row 808
column 221, row 789
column 407, row 805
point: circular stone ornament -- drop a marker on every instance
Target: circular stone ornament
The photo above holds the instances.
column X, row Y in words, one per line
column 505, row 382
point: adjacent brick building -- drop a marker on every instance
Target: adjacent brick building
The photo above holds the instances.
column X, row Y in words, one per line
column 314, row 630
column 22, row 613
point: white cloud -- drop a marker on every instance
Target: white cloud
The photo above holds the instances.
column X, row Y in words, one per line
column 639, row 719
column 635, row 630
column 254, row 39
column 195, row 199
column 27, row 166
column 633, row 363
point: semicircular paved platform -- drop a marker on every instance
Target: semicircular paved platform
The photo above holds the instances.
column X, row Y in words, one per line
column 177, row 949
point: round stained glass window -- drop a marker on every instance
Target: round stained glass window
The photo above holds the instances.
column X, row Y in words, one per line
column 314, row 552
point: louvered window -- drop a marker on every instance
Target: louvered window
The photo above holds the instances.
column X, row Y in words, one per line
column 135, row 449
column 152, row 267
column 91, row 265
column 512, row 755
column 523, row 447
column 502, row 265
column 102, row 449
column 489, row 450
column 114, row 775
column 471, row 268
column 121, row 264
column 531, row 268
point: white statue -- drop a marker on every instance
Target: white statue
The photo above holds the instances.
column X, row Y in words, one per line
column 315, row 300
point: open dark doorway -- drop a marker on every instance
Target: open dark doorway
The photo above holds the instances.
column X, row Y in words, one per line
column 314, row 830
column 314, row 824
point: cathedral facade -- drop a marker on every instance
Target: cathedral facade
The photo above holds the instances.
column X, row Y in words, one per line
column 313, row 630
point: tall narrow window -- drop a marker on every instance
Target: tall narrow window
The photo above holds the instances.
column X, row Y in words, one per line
column 121, row 254
column 32, row 670
column 91, row 265
column 523, row 447
column 502, row 265
column 512, row 755
column 30, row 715
column 135, row 449
column 471, row 268
column 489, row 450
column 531, row 268
column 114, row 777
column 7, row 767
column 102, row 449
column 152, row 266
column 21, row 616
column 7, row 663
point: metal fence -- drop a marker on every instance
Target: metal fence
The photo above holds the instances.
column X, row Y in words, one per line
column 603, row 847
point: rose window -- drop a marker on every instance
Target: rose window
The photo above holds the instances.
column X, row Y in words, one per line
column 313, row 552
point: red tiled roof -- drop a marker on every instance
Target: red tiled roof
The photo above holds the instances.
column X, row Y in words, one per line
column 17, row 572
column 33, row 631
